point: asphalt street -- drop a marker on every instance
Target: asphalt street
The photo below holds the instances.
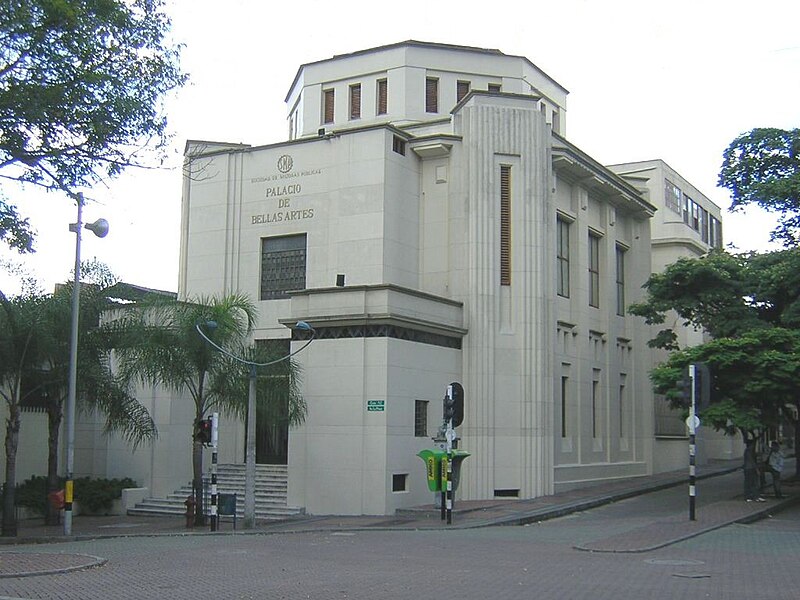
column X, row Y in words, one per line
column 539, row 560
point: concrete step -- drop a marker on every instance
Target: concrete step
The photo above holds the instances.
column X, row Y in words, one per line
column 270, row 492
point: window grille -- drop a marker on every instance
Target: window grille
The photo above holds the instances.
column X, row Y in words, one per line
column 420, row 418
column 355, row 101
column 283, row 266
column 505, row 224
column 327, row 109
column 382, row 95
column 431, row 95
column 462, row 89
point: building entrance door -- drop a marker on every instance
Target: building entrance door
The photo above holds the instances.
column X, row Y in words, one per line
column 272, row 407
column 272, row 439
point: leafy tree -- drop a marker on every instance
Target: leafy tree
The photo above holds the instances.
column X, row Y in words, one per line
column 750, row 304
column 762, row 167
column 82, row 84
column 159, row 344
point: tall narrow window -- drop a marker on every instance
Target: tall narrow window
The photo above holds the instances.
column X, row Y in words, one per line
column 595, row 407
column 594, row 270
column 564, row 381
column 420, row 418
column 462, row 89
column 283, row 265
column 622, row 407
column 505, row 224
column 431, row 95
column 620, row 280
column 327, row 106
column 382, row 95
column 355, row 101
column 672, row 196
column 562, row 235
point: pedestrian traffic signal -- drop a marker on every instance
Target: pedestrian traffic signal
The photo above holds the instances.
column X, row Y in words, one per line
column 203, row 433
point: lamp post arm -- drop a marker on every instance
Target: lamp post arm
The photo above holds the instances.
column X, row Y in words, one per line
column 251, row 363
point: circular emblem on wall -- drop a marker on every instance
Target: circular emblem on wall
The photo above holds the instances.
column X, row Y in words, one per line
column 285, row 163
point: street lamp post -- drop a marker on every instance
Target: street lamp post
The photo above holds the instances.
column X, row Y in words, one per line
column 100, row 229
column 249, row 521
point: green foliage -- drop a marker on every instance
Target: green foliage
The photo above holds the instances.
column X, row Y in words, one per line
column 82, row 84
column 755, row 375
column 14, row 229
column 762, row 167
column 750, row 304
column 94, row 495
column 712, row 292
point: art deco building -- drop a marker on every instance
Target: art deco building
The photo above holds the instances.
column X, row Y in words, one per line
column 430, row 218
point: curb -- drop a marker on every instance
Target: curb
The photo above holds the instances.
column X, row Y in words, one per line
column 93, row 561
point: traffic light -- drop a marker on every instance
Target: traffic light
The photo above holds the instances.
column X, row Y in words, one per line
column 454, row 404
column 203, row 433
column 685, row 388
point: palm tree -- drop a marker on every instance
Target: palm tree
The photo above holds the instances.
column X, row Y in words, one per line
column 97, row 387
column 19, row 354
column 159, row 345
column 34, row 366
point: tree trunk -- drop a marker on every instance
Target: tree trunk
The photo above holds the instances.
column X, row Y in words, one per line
column 12, row 440
column 197, row 480
column 54, row 414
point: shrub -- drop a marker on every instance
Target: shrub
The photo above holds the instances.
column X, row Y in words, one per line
column 94, row 495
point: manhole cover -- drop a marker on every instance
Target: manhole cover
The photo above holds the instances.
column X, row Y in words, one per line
column 673, row 562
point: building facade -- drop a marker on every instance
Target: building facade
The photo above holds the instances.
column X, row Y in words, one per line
column 430, row 219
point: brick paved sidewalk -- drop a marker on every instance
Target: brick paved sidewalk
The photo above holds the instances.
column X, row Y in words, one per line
column 467, row 514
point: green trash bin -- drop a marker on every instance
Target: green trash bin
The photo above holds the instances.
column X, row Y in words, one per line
column 432, row 457
column 458, row 457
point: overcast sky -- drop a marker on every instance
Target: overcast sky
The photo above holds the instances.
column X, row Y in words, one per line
column 674, row 80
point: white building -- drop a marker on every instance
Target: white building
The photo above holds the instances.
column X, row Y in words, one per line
column 431, row 220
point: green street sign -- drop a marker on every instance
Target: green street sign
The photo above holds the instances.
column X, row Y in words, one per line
column 376, row 405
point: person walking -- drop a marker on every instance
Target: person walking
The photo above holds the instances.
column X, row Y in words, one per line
column 774, row 464
column 751, row 478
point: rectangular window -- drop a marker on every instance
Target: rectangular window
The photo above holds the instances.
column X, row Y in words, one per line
column 420, row 418
column 505, row 224
column 704, row 224
column 564, row 382
column 283, row 265
column 383, row 99
column 327, row 106
column 714, row 232
column 556, row 121
column 672, row 196
column 431, row 95
column 594, row 270
column 399, row 145
column 695, row 215
column 355, row 101
column 462, row 89
column 620, row 281
column 399, row 482
column 495, row 88
column 562, row 234
column 686, row 209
